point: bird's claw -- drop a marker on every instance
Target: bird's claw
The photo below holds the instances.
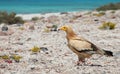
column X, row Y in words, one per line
column 80, row 63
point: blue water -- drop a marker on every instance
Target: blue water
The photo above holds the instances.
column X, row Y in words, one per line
column 48, row 6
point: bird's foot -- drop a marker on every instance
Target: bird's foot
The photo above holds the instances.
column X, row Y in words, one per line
column 80, row 63
column 90, row 64
column 87, row 63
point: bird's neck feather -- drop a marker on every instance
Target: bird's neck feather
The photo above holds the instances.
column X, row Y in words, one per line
column 70, row 34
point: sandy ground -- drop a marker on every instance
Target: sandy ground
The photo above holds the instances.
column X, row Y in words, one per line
column 59, row 59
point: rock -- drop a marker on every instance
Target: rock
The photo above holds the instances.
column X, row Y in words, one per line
column 96, row 20
column 54, row 28
column 4, row 28
column 10, row 32
column 2, row 66
column 6, row 32
column 52, row 19
column 3, row 33
column 28, row 39
column 34, row 60
column 44, row 49
column 31, row 27
column 19, row 24
column 49, row 26
column 9, row 61
column 32, row 68
column 18, row 43
column 64, row 13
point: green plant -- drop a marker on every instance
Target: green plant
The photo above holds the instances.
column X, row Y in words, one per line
column 99, row 14
column 35, row 49
column 88, row 13
column 21, row 28
column 55, row 26
column 35, row 18
column 10, row 18
column 46, row 30
column 108, row 25
column 5, row 57
column 16, row 58
column 113, row 11
column 18, row 20
column 111, row 6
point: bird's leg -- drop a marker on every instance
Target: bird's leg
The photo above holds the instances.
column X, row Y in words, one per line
column 80, row 61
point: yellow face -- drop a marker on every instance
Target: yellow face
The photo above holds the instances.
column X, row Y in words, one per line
column 64, row 28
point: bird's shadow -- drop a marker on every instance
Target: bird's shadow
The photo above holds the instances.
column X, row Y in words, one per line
column 94, row 65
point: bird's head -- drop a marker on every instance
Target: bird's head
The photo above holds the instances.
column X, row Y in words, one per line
column 65, row 28
column 68, row 30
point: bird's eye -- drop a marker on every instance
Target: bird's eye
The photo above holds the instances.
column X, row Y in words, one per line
column 64, row 27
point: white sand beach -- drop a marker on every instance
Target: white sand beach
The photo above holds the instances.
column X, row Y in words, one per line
column 59, row 59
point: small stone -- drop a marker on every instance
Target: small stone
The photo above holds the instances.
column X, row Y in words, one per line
column 19, row 24
column 46, row 53
column 3, row 33
column 2, row 66
column 32, row 68
column 17, row 61
column 31, row 27
column 34, row 60
column 96, row 20
column 64, row 13
column 4, row 28
column 44, row 49
column 9, row 61
column 28, row 39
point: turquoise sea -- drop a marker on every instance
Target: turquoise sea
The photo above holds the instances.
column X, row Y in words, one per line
column 48, row 6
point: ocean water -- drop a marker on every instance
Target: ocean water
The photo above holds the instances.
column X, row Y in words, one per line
column 48, row 6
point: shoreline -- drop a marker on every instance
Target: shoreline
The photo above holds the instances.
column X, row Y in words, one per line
column 29, row 16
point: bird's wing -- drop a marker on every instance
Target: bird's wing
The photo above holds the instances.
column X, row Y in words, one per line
column 80, row 45
column 93, row 46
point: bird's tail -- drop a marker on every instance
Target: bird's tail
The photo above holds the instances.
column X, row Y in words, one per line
column 108, row 53
column 105, row 52
column 102, row 52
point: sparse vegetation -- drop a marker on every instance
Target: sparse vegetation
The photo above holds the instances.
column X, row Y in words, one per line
column 88, row 13
column 51, row 28
column 21, row 28
column 54, row 28
column 35, row 49
column 111, row 6
column 46, row 30
column 16, row 58
column 10, row 18
column 108, row 25
column 5, row 57
column 113, row 11
column 35, row 18
column 99, row 14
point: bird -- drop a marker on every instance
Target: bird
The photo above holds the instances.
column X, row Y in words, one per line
column 81, row 46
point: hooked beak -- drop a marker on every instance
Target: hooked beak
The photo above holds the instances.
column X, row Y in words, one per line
column 59, row 29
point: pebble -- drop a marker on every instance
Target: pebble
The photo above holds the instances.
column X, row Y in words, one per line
column 44, row 49
column 4, row 28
